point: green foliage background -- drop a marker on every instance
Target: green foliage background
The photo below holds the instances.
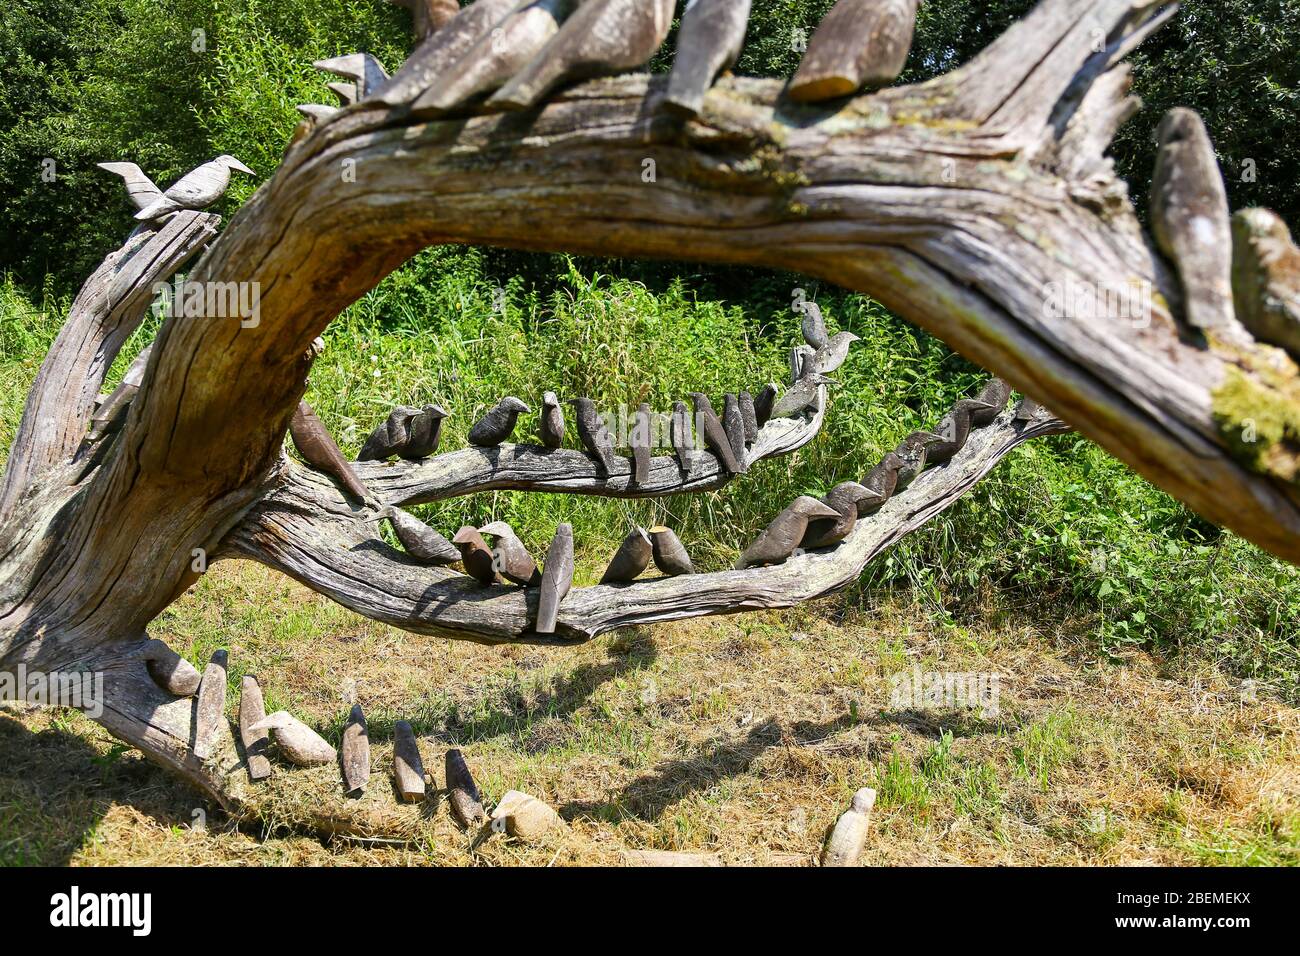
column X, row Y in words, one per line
column 1061, row 532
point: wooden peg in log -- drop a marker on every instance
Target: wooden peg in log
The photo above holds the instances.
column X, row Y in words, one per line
column 860, row 44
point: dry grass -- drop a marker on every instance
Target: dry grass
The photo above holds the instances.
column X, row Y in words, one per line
column 745, row 737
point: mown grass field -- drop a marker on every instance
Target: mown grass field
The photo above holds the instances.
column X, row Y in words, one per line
column 1147, row 662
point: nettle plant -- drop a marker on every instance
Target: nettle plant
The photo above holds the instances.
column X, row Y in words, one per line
column 965, row 204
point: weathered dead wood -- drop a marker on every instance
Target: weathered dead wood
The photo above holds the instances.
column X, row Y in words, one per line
column 309, row 533
column 408, row 768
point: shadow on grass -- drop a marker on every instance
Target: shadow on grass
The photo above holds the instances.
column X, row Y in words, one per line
column 56, row 787
column 647, row 797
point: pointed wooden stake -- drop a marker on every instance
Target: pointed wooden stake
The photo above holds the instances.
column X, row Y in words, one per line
column 252, row 710
column 356, row 752
column 466, row 804
column 211, row 708
column 408, row 768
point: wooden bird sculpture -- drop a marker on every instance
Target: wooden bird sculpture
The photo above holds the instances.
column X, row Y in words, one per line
column 882, row 481
column 641, row 439
column 714, row 434
column 593, row 433
column 670, row 555
column 828, row 359
column 139, row 187
column 800, row 357
column 860, row 44
column 366, row 74
column 197, row 189
column 317, row 447
column 733, row 423
column 953, row 431
column 297, row 742
column 764, row 403
column 682, row 436
column 497, row 56
column 513, row 561
column 1190, row 219
column 551, row 425
column 601, row 37
column 844, row 500
column 429, row 16
column 498, row 424
column 420, row 541
column 993, row 397
column 803, row 395
column 557, row 579
column 709, row 42
column 748, row 416
column 1266, row 278
column 779, row 540
column 813, row 326
column 443, row 48
column 409, row 433
column 912, row 451
column 476, row 556
column 631, row 559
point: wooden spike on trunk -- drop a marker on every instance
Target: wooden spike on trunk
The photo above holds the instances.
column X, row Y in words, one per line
column 170, row 671
column 860, row 44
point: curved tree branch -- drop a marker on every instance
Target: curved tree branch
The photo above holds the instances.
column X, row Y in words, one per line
column 306, row 530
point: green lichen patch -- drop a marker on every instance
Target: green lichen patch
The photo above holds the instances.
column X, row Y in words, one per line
column 1258, row 414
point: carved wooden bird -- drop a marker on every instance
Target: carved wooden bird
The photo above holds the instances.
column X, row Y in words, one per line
column 828, row 359
column 557, row 579
column 444, row 48
column 844, row 500
column 497, row 56
column 682, row 436
column 139, row 187
column 670, row 555
column 733, row 423
column 1266, row 278
column 420, row 541
column 429, row 16
column 1190, row 219
column 709, row 42
column 593, row 433
column 601, row 37
column 804, row 394
column 912, row 451
column 356, row 751
column 764, row 402
column 551, row 425
column 749, row 416
column 411, row 433
column 476, row 556
column 882, row 481
column 779, row 540
column 297, row 742
column 318, row 449
column 714, row 434
column 953, row 431
column 513, row 560
column 197, row 189
column 813, row 326
column 498, row 424
column 859, row 44
column 800, row 357
column 995, row 394
column 632, row 558
column 641, row 438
